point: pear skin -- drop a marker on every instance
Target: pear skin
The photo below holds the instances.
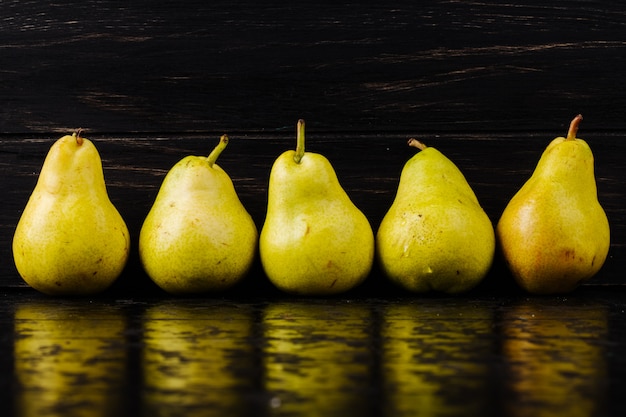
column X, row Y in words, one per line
column 553, row 233
column 197, row 236
column 314, row 241
column 435, row 236
column 70, row 239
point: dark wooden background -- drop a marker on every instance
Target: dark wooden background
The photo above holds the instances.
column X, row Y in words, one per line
column 487, row 83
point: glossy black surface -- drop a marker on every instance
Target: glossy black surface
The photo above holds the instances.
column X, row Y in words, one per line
column 487, row 355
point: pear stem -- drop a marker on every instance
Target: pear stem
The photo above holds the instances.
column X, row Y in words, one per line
column 215, row 153
column 417, row 144
column 297, row 157
column 573, row 127
column 79, row 139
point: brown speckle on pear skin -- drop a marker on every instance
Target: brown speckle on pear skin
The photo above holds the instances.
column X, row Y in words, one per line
column 569, row 253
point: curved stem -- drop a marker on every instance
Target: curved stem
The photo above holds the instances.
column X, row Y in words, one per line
column 417, row 144
column 573, row 127
column 79, row 139
column 299, row 142
column 215, row 153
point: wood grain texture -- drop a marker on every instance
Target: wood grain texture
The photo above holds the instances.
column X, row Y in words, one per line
column 223, row 65
column 488, row 83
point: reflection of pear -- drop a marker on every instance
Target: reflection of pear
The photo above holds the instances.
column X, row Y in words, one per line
column 317, row 358
column 557, row 363
column 70, row 238
column 69, row 360
column 433, row 359
column 197, row 359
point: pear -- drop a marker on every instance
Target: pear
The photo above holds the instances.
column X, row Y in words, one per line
column 197, row 236
column 70, row 239
column 553, row 233
column 435, row 236
column 314, row 241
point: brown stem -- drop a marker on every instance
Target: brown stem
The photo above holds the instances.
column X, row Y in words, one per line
column 573, row 127
column 217, row 150
column 417, row 144
column 79, row 139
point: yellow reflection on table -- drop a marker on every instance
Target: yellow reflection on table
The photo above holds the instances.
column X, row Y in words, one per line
column 70, row 360
column 435, row 358
column 317, row 358
column 556, row 359
column 197, row 359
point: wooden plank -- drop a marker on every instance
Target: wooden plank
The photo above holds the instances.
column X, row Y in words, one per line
column 220, row 65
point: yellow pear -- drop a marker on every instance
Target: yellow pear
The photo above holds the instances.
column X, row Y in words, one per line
column 70, row 239
column 435, row 236
column 553, row 233
column 197, row 236
column 314, row 240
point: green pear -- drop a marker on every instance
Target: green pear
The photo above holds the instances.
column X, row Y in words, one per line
column 198, row 236
column 70, row 239
column 435, row 236
column 314, row 241
column 553, row 233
